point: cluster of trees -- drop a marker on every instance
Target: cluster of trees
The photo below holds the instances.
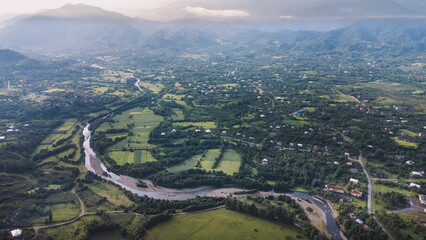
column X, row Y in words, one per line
column 43, row 154
column 394, row 224
column 151, row 222
column 391, row 200
column 264, row 209
column 354, row 230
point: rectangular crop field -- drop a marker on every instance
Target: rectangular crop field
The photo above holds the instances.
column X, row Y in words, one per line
column 230, row 162
column 206, row 125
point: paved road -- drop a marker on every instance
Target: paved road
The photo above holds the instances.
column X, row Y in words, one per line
column 370, row 192
column 331, row 225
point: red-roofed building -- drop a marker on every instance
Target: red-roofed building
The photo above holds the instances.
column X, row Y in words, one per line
column 334, row 189
column 356, row 193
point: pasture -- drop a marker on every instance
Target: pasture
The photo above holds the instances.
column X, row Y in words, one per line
column 406, row 144
column 205, row 125
column 93, row 201
column 155, row 88
column 60, row 212
column 142, row 121
column 230, row 162
column 111, row 192
column 222, row 224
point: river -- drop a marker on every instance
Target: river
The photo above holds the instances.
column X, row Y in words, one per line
column 95, row 165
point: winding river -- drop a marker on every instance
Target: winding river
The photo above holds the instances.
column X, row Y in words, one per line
column 95, row 165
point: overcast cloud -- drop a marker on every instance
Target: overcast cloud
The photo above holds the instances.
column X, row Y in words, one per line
column 200, row 11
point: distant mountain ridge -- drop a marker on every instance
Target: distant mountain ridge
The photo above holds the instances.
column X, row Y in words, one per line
column 10, row 57
column 84, row 29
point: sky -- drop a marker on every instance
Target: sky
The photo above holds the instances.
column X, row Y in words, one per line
column 166, row 10
column 29, row 6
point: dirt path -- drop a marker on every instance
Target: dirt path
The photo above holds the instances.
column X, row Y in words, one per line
column 83, row 210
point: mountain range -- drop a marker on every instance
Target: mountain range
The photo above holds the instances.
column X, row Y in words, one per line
column 83, row 28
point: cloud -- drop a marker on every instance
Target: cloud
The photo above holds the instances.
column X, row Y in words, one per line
column 286, row 17
column 200, row 11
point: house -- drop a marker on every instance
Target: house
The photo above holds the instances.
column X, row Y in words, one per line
column 334, row 189
column 336, row 163
column 410, row 163
column 291, row 144
column 352, row 215
column 415, row 185
column 224, row 132
column 347, row 154
column 359, row 221
column 356, row 193
column 163, row 134
column 208, row 131
column 349, row 163
column 2, row 137
column 366, row 227
column 174, row 130
column 16, row 233
column 422, row 199
column 264, row 162
column 417, row 174
column 353, row 180
column 300, row 145
column 354, row 170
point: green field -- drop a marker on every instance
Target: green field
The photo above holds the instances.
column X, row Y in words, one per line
column 222, row 224
column 93, row 201
column 67, row 125
column 382, row 188
column 111, row 192
column 136, row 157
column 187, row 164
column 230, row 162
column 69, row 231
column 209, row 158
column 178, row 115
column 296, row 123
column 174, row 97
column 409, row 133
column 60, row 212
column 206, row 125
column 155, row 88
column 143, row 121
column 406, row 144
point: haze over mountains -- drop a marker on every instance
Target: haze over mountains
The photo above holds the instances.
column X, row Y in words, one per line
column 343, row 24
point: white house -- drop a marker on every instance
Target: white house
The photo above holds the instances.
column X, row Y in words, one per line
column 410, row 163
column 353, row 180
column 422, row 199
column 16, row 233
column 359, row 221
column 417, row 174
column 265, row 162
column 415, row 185
column 2, row 137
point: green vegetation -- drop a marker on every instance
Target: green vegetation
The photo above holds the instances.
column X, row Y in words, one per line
column 222, row 224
